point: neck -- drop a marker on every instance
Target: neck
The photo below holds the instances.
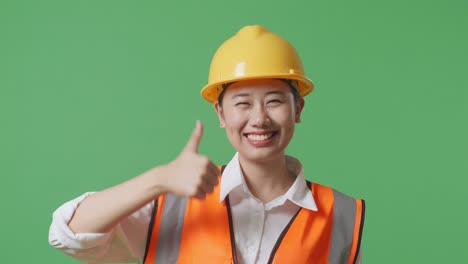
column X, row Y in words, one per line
column 267, row 180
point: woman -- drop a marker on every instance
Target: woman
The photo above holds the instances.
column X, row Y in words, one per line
column 261, row 210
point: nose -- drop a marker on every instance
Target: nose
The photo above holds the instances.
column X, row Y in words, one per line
column 259, row 117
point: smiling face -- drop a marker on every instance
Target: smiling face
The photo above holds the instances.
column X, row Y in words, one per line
column 259, row 117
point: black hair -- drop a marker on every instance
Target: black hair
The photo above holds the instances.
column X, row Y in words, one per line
column 293, row 85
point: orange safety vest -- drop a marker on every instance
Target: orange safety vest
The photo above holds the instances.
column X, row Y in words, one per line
column 187, row 230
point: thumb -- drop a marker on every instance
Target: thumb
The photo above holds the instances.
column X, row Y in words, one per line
column 195, row 138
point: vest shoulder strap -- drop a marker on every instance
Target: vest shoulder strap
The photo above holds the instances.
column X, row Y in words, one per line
column 347, row 224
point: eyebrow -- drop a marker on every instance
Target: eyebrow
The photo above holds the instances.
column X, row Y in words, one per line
column 248, row 94
column 275, row 92
column 240, row 95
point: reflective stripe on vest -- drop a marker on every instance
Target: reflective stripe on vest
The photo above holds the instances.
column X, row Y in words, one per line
column 200, row 231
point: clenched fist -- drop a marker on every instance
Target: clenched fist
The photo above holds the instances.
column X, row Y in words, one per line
column 191, row 174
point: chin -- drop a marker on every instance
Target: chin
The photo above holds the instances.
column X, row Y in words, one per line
column 260, row 154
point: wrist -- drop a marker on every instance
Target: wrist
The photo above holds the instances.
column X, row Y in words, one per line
column 156, row 181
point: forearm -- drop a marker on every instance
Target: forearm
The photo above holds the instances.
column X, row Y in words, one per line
column 100, row 212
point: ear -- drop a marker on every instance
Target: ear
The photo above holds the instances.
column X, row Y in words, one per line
column 299, row 107
column 219, row 111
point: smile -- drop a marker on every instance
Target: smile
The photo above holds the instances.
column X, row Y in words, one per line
column 259, row 137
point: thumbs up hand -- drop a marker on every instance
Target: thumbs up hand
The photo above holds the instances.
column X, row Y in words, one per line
column 191, row 174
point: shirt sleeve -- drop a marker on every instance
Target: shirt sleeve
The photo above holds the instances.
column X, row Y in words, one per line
column 125, row 243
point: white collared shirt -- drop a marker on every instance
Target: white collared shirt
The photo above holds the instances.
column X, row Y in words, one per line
column 257, row 226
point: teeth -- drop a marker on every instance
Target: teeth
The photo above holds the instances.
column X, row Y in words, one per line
column 259, row 137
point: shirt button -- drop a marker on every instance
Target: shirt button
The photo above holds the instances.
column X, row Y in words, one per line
column 250, row 248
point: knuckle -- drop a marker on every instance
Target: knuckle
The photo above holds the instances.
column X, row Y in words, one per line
column 215, row 180
column 210, row 188
column 200, row 193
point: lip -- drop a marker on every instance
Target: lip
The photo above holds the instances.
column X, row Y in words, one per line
column 261, row 143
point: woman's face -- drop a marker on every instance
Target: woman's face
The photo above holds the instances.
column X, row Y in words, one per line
column 259, row 117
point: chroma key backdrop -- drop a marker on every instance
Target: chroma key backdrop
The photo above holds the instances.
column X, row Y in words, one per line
column 93, row 93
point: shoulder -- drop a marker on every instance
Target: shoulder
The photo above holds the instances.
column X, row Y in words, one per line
column 320, row 189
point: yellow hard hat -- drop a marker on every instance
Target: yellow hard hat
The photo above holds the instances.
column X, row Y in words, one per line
column 254, row 53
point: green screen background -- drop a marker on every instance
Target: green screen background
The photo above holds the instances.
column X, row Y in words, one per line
column 93, row 93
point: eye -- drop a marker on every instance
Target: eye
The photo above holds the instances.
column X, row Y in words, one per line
column 274, row 102
column 242, row 104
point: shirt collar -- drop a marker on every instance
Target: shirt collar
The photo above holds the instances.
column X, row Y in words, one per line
column 232, row 177
column 298, row 193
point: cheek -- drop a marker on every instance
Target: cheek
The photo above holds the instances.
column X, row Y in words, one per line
column 284, row 116
column 234, row 120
